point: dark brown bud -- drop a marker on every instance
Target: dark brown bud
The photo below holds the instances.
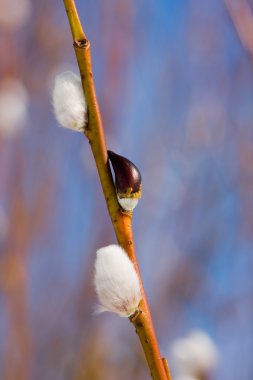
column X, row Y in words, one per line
column 127, row 176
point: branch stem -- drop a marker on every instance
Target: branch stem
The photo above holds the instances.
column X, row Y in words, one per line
column 122, row 222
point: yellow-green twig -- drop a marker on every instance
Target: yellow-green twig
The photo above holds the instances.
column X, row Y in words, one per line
column 122, row 222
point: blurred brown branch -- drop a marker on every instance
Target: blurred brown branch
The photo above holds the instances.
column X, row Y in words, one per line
column 242, row 18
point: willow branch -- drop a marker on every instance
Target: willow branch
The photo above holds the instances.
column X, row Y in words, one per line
column 122, row 222
column 242, row 19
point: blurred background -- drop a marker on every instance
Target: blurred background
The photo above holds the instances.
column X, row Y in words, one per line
column 175, row 85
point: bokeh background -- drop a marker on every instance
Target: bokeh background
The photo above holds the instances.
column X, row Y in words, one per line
column 174, row 82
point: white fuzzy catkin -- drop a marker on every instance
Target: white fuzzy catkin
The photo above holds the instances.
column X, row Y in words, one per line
column 69, row 104
column 116, row 281
column 127, row 204
column 14, row 14
column 13, row 107
column 194, row 354
column 185, row 377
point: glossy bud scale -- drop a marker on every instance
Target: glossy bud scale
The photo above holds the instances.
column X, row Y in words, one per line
column 127, row 181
